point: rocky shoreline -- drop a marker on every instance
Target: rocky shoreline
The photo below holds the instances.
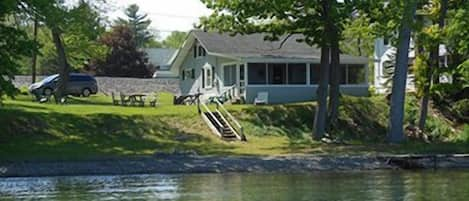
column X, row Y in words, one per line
column 183, row 163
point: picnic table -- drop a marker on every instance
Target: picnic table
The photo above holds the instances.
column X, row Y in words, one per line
column 137, row 99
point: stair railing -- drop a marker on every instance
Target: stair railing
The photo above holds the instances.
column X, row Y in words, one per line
column 240, row 130
column 204, row 109
column 230, row 92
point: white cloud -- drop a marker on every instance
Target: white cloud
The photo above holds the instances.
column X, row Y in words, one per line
column 166, row 15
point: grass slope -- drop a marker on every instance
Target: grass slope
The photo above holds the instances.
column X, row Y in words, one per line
column 94, row 129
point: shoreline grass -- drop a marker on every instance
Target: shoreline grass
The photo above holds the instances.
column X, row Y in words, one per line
column 93, row 128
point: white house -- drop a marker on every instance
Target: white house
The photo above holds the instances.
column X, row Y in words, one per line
column 246, row 65
column 383, row 53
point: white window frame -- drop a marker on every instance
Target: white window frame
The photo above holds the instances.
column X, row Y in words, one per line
column 207, row 70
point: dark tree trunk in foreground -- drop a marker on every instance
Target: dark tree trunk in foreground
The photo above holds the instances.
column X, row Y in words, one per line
column 434, row 64
column 396, row 131
column 334, row 96
column 320, row 117
column 34, row 57
column 63, row 65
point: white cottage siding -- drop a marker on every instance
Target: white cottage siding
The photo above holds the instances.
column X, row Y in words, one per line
column 291, row 94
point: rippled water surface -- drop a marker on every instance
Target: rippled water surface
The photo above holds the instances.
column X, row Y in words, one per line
column 382, row 185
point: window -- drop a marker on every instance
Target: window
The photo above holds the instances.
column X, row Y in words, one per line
column 229, row 75
column 257, row 73
column 201, row 51
column 297, row 73
column 183, row 75
column 314, row 73
column 356, row 74
column 277, row 73
column 195, row 51
column 208, row 77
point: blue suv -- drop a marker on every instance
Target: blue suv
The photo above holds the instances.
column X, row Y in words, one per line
column 78, row 85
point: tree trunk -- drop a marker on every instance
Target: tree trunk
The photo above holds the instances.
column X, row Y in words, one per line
column 320, row 118
column 434, row 64
column 396, row 131
column 359, row 44
column 334, row 96
column 63, row 65
column 34, row 58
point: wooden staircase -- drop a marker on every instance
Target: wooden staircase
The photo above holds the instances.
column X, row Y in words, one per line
column 221, row 122
column 227, row 133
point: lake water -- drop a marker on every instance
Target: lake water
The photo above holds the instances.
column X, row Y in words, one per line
column 379, row 185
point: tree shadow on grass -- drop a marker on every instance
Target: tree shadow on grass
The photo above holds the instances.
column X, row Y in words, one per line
column 292, row 121
column 32, row 135
column 362, row 119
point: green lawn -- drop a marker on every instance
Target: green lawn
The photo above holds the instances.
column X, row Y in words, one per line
column 93, row 128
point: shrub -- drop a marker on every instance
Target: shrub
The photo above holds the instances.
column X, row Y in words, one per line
column 461, row 109
column 464, row 136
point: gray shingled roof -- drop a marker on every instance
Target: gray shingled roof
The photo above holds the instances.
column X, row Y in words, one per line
column 254, row 46
column 160, row 56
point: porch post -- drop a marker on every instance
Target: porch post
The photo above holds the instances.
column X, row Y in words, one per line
column 308, row 73
column 237, row 92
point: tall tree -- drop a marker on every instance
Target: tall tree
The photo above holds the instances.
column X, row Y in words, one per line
column 175, row 40
column 396, row 132
column 434, row 64
column 34, row 57
column 14, row 43
column 123, row 59
column 138, row 24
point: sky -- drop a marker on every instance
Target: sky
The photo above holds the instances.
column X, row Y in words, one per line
column 166, row 15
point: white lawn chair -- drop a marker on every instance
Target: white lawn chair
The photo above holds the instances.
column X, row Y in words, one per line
column 262, row 98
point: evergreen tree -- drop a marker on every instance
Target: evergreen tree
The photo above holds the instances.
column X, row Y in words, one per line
column 138, row 24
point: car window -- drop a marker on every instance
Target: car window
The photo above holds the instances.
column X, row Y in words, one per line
column 49, row 78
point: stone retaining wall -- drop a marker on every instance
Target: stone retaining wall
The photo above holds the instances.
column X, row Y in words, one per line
column 119, row 84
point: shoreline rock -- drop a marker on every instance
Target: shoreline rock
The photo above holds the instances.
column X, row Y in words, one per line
column 180, row 164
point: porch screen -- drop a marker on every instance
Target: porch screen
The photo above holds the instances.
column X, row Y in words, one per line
column 257, row 73
column 277, row 73
column 229, row 75
column 297, row 73
column 314, row 73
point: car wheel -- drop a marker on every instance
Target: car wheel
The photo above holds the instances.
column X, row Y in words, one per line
column 47, row 92
column 86, row 92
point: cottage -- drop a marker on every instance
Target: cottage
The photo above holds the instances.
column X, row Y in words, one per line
column 246, row 65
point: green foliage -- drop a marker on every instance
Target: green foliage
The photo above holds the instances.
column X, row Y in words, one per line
column 124, row 58
column 14, row 44
column 138, row 24
column 175, row 40
column 358, row 37
column 421, row 70
column 457, row 33
column 277, row 18
column 461, row 109
column 464, row 136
